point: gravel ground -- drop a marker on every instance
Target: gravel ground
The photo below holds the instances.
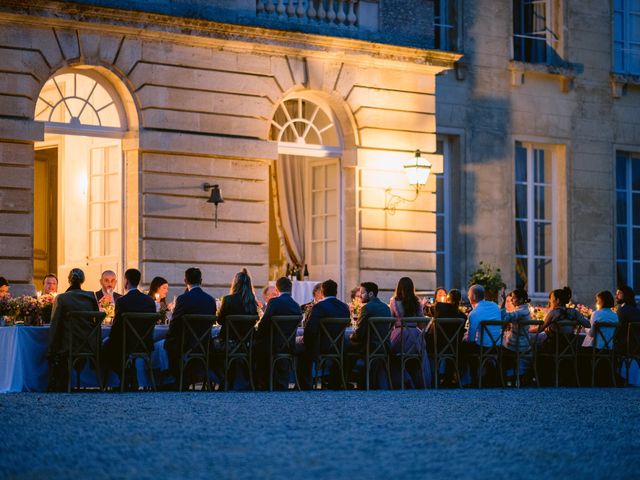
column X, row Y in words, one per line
column 545, row 433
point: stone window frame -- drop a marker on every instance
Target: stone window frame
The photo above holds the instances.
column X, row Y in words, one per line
column 628, row 191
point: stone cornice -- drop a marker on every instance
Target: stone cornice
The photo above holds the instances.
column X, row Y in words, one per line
column 221, row 35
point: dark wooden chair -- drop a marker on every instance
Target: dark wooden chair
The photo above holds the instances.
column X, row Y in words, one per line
column 565, row 349
column 411, row 354
column 85, row 342
column 377, row 346
column 282, row 344
column 137, row 342
column 330, row 347
column 238, row 345
column 447, row 335
column 492, row 353
column 604, row 331
column 631, row 351
column 528, row 352
column 195, row 344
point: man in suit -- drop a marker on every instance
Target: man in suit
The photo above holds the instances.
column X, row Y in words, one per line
column 74, row 299
column 372, row 306
column 108, row 282
column 283, row 304
column 134, row 301
column 194, row 301
column 328, row 307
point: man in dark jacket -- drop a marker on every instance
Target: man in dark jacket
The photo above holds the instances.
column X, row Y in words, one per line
column 74, row 299
column 328, row 307
column 628, row 313
column 194, row 301
column 283, row 304
column 134, row 301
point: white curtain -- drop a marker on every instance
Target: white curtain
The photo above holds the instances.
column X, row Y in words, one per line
column 290, row 201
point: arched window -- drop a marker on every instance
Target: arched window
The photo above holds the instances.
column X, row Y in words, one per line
column 308, row 183
column 81, row 100
column 301, row 125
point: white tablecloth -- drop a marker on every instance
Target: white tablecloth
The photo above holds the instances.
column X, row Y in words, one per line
column 302, row 291
column 23, row 360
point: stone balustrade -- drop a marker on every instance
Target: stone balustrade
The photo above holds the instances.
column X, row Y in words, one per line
column 341, row 13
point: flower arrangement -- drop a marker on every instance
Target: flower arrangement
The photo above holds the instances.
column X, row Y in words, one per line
column 45, row 304
column 538, row 313
column 354, row 307
column 585, row 311
column 490, row 278
column 25, row 309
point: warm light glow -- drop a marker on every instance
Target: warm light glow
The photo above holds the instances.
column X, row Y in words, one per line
column 417, row 170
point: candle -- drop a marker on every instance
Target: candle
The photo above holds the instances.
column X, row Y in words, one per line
column 157, row 297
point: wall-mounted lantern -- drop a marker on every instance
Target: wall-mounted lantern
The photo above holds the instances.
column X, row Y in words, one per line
column 417, row 170
column 215, row 198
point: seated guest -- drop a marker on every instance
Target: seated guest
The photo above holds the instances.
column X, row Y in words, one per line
column 74, row 299
column 268, row 293
column 158, row 290
column 403, row 304
column 372, row 306
column 482, row 310
column 558, row 311
column 240, row 301
column 354, row 302
column 440, row 295
column 108, row 283
column 516, row 338
column 628, row 313
column 4, row 289
column 194, row 301
column 448, row 309
column 317, row 296
column 134, row 301
column 328, row 307
column 50, row 285
column 283, row 304
column 604, row 313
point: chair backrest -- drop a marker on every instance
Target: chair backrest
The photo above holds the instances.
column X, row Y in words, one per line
column 239, row 334
column 604, row 332
column 567, row 343
column 487, row 332
column 196, row 334
column 283, row 332
column 85, row 332
column 379, row 335
column 633, row 340
column 331, row 335
column 447, row 335
column 410, row 323
column 137, row 335
column 531, row 337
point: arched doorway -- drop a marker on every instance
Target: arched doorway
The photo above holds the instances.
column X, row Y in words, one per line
column 308, row 186
column 78, row 206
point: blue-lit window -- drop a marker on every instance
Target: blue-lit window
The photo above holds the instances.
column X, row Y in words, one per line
column 443, row 238
column 445, row 23
column 628, row 219
column 534, row 218
column 626, row 36
column 532, row 35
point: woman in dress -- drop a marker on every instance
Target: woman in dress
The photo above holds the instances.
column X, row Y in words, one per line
column 558, row 311
column 406, row 304
column 604, row 313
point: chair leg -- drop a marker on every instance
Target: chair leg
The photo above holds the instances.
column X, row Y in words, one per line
column 151, row 376
column 387, row 364
column 294, row 365
column 181, row 379
column 368, row 371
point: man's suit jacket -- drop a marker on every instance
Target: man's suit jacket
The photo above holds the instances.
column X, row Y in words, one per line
column 193, row 302
column 282, row 305
column 71, row 300
column 231, row 305
column 327, row 308
column 100, row 294
column 134, row 301
column 373, row 308
column 626, row 315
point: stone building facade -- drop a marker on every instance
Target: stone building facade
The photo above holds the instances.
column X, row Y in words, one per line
column 112, row 121
column 526, row 111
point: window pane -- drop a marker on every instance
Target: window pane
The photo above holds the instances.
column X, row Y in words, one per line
column 96, row 244
column 541, row 166
column 317, row 206
column 636, row 244
column 440, row 269
column 636, row 209
column 113, row 215
column 331, row 225
column 543, row 237
column 618, row 27
column 521, row 273
column 317, row 253
column 331, row 197
column 521, row 238
column 621, row 243
column 521, row 201
column 440, row 233
column 97, row 189
column 318, row 178
column 542, row 203
column 331, row 176
column 621, row 171
column 621, row 207
column 635, row 173
column 521, row 163
column 636, row 275
column 111, row 247
column 543, row 275
column 332, row 253
column 621, row 273
column 439, row 194
column 317, row 230
column 97, row 216
column 113, row 187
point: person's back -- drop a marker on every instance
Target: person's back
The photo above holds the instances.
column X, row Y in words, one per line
column 484, row 310
column 72, row 300
column 193, row 302
column 627, row 314
column 373, row 308
column 327, row 308
column 604, row 315
column 517, row 339
column 232, row 304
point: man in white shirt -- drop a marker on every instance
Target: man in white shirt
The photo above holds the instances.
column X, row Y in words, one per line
column 482, row 310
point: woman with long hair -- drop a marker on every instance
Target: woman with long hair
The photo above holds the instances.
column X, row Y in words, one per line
column 408, row 338
column 158, row 290
column 240, row 301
